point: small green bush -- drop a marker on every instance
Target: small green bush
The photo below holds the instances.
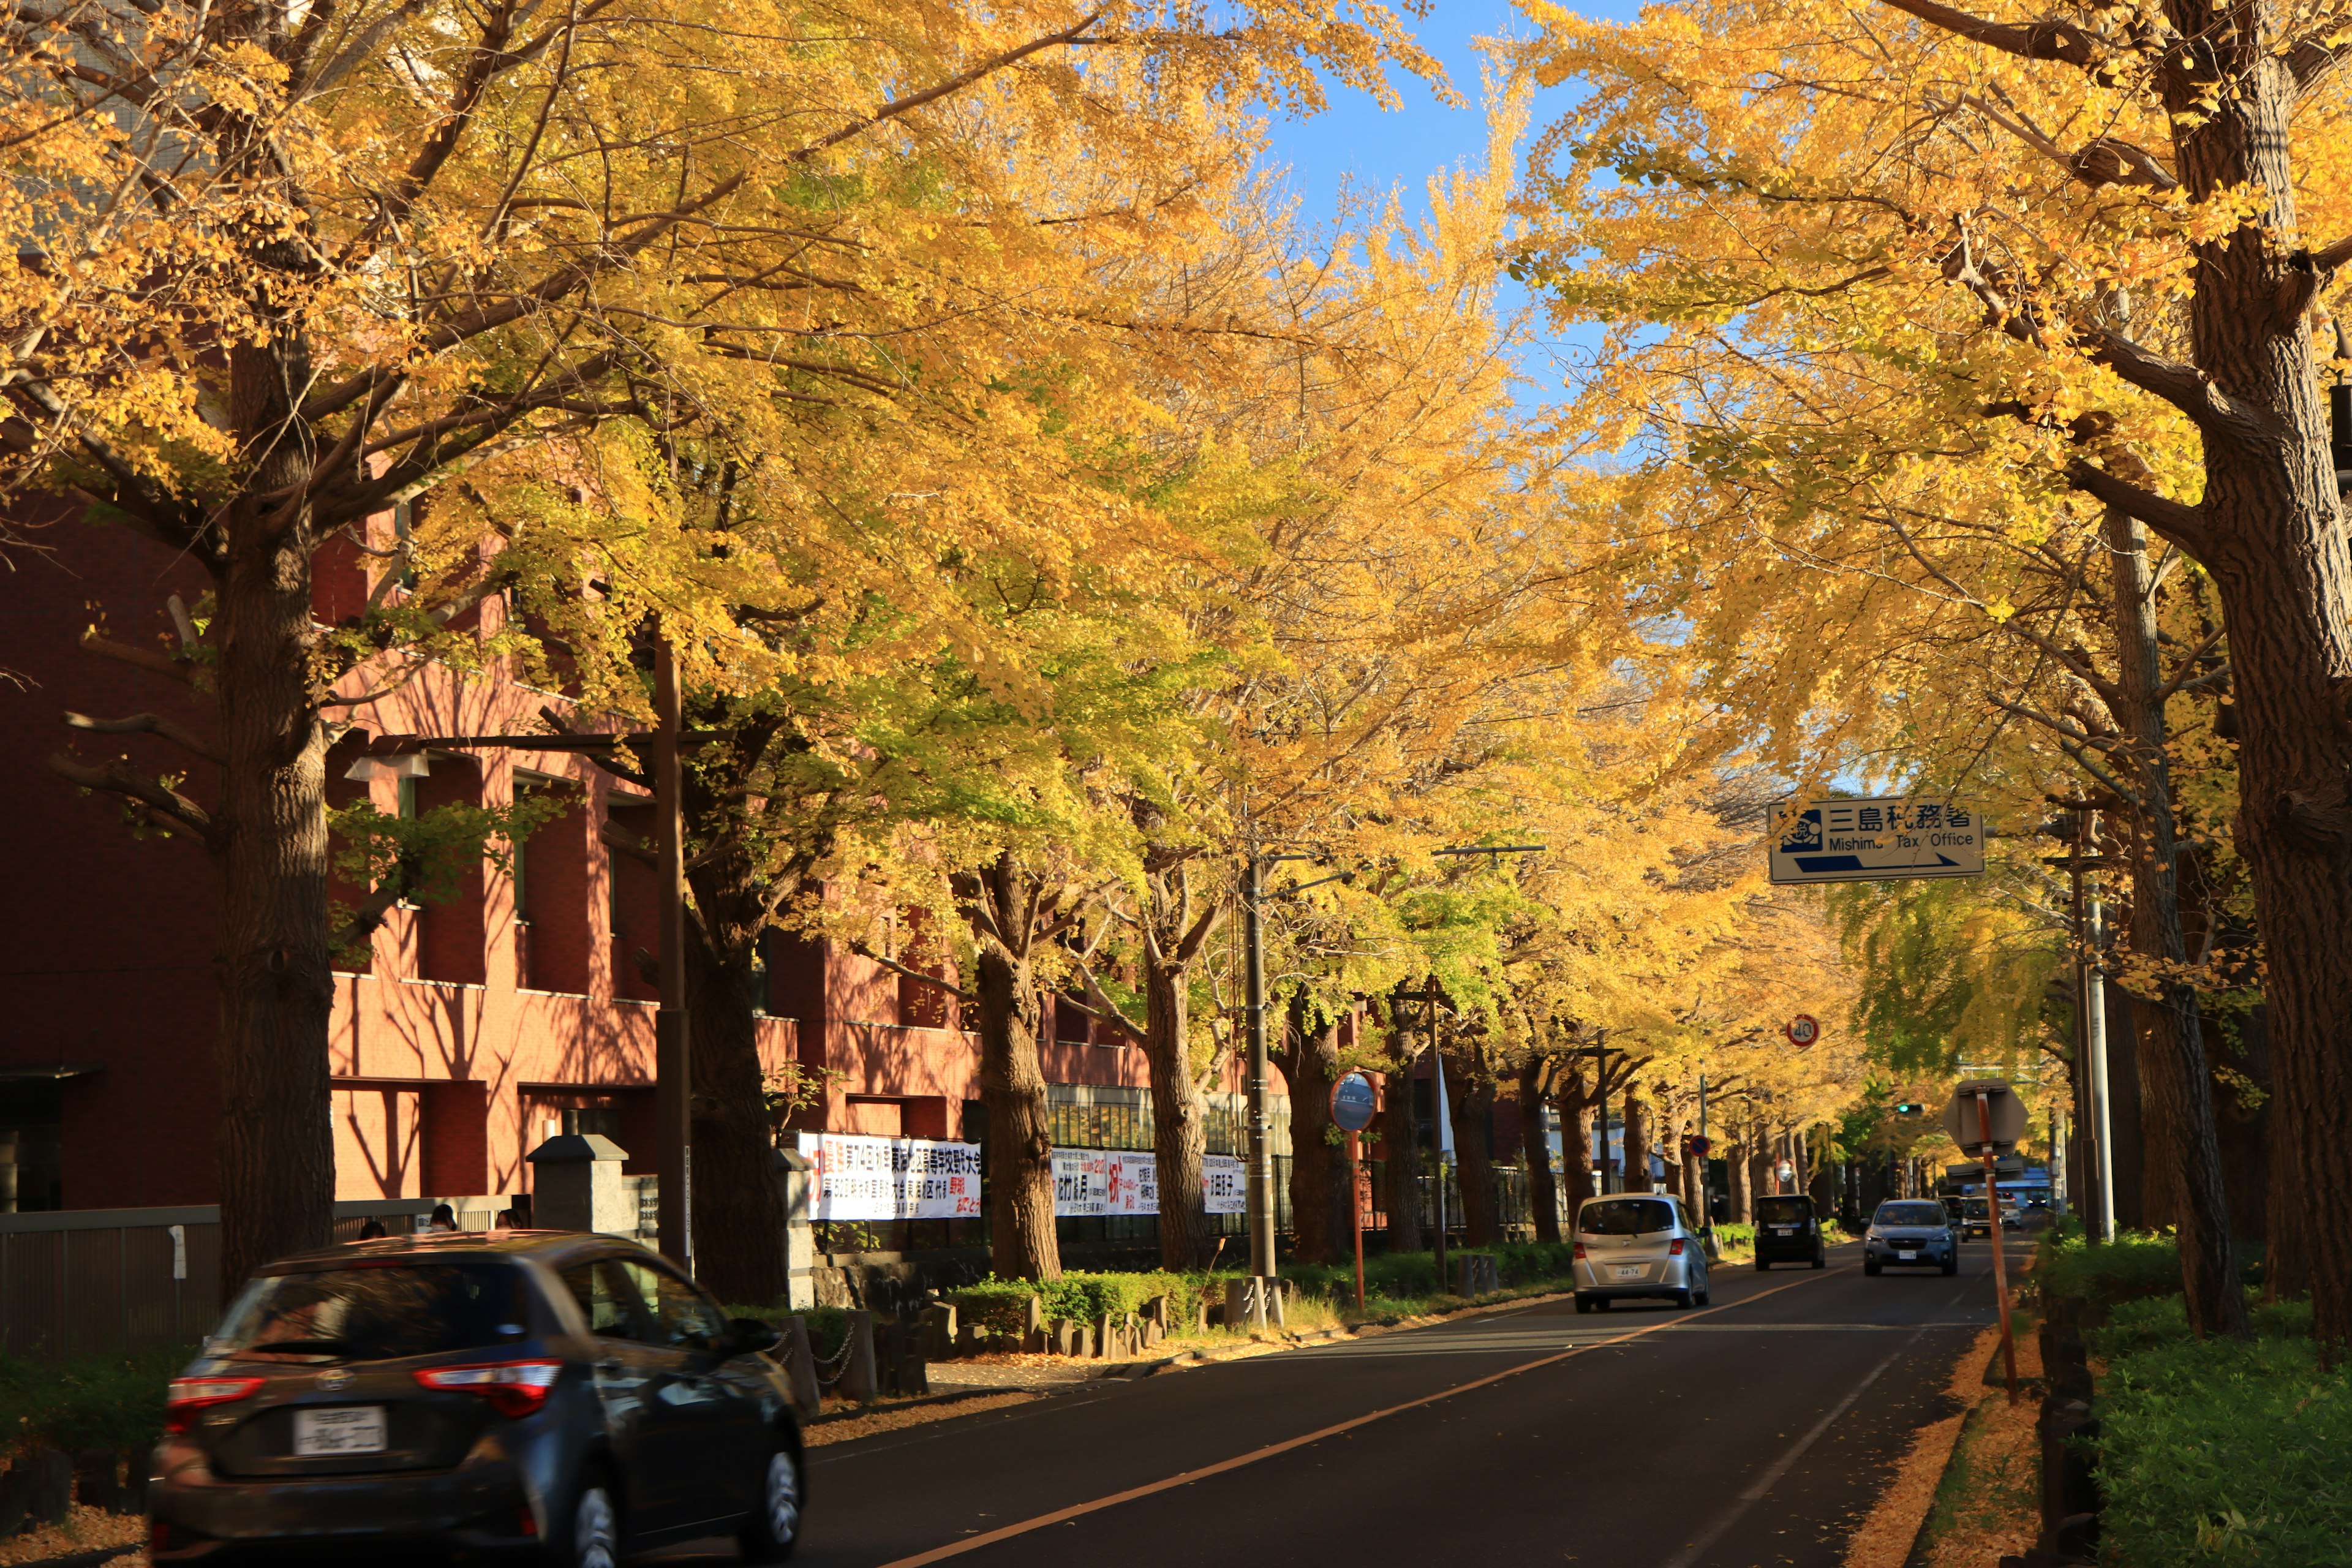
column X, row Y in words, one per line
column 1734, row 1235
column 1078, row 1298
column 2134, row 1266
column 92, row 1402
column 1001, row 1305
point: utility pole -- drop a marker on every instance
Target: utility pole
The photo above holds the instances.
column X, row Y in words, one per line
column 1433, row 996
column 673, row 1058
column 2090, row 1019
column 1265, row 1270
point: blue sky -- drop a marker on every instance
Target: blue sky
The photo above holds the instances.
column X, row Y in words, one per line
column 1355, row 141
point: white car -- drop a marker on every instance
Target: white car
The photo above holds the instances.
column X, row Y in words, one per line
column 1638, row 1243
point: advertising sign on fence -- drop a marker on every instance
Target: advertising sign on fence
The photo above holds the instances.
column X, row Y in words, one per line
column 859, row 1178
column 1126, row 1182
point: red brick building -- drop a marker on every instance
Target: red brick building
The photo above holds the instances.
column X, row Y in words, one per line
column 473, row 1024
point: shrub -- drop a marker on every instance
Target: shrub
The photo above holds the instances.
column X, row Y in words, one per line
column 2218, row 1453
column 2134, row 1266
column 92, row 1402
column 1001, row 1305
column 1079, row 1298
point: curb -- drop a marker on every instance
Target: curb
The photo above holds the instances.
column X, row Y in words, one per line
column 851, row 1413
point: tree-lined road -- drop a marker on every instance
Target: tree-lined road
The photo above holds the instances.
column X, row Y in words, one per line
column 1755, row 1432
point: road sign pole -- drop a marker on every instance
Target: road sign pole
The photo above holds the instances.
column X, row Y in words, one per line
column 1993, row 1220
column 1356, row 1210
column 1261, row 1155
column 673, row 1146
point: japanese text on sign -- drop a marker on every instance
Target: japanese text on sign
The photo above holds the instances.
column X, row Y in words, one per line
column 859, row 1178
column 1108, row 1182
column 1870, row 840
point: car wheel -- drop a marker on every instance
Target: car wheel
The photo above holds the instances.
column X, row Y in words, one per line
column 1821, row 1259
column 1584, row 1303
column 589, row 1536
column 1762, row 1267
column 1952, row 1264
column 1705, row 1297
column 774, row 1528
column 1601, row 1302
column 1870, row 1266
column 1683, row 1299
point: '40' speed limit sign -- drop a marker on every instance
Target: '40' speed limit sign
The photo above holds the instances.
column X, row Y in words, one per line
column 1803, row 1030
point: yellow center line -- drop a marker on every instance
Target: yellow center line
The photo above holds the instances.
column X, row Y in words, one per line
column 1186, row 1478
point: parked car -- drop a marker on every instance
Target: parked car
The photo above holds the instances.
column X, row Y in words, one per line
column 564, row 1396
column 1638, row 1243
column 1974, row 1219
column 1788, row 1231
column 1912, row 1231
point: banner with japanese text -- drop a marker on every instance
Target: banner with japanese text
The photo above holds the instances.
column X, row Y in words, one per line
column 859, row 1178
column 1103, row 1183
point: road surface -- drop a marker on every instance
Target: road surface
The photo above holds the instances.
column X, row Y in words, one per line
column 1756, row 1432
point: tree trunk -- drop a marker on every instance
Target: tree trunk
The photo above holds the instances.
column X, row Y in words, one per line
column 2174, row 1080
column 1022, row 1241
column 1179, row 1117
column 1543, row 1189
column 1400, row 1150
column 1309, row 1061
column 738, row 1213
column 277, row 1142
column 1637, row 1143
column 1575, row 1146
column 1470, row 1104
column 1739, row 1164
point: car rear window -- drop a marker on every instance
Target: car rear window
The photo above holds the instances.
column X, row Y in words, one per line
column 1626, row 1217
column 1783, row 1211
column 381, row 1312
column 1910, row 1214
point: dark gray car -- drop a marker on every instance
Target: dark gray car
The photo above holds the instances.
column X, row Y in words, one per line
column 564, row 1396
column 1911, row 1232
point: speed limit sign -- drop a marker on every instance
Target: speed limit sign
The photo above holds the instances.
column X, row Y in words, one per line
column 1803, row 1030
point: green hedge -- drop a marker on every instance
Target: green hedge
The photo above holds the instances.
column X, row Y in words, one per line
column 2215, row 1454
column 2135, row 1267
column 1001, row 1305
column 93, row 1402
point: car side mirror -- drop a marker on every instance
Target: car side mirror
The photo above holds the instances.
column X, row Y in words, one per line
column 747, row 1335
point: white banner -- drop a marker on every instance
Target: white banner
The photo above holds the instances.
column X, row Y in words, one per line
column 859, row 1178
column 1105, row 1182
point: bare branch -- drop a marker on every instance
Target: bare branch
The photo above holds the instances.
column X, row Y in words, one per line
column 144, row 658
column 956, row 83
column 146, row 724
column 897, row 968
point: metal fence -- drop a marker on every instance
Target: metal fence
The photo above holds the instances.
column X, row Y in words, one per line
column 77, row 1282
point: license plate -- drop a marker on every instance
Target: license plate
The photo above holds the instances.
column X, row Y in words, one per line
column 1629, row 1271
column 1907, row 1256
column 343, row 1429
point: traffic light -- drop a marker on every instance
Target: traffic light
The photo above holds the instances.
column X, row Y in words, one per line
column 1908, row 1108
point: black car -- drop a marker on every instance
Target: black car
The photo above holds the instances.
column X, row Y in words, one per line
column 563, row 1396
column 1788, row 1231
column 1916, row 1231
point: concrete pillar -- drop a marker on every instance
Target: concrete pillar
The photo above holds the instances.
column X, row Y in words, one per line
column 794, row 1180
column 799, row 1366
column 576, row 1184
column 861, row 1375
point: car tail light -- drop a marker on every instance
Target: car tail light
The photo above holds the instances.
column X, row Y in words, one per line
column 1677, row 1249
column 189, row 1394
column 512, row 1387
column 1579, row 1257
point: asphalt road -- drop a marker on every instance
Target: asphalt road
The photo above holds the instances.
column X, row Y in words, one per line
column 1756, row 1432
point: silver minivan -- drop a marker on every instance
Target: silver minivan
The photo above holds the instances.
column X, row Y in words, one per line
column 1638, row 1243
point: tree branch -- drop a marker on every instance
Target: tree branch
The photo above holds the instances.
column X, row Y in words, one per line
column 118, row 777
column 2043, row 40
column 143, row 658
column 629, row 844
column 146, row 724
column 956, row 83
column 1102, row 1008
column 904, row 973
column 2183, row 526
